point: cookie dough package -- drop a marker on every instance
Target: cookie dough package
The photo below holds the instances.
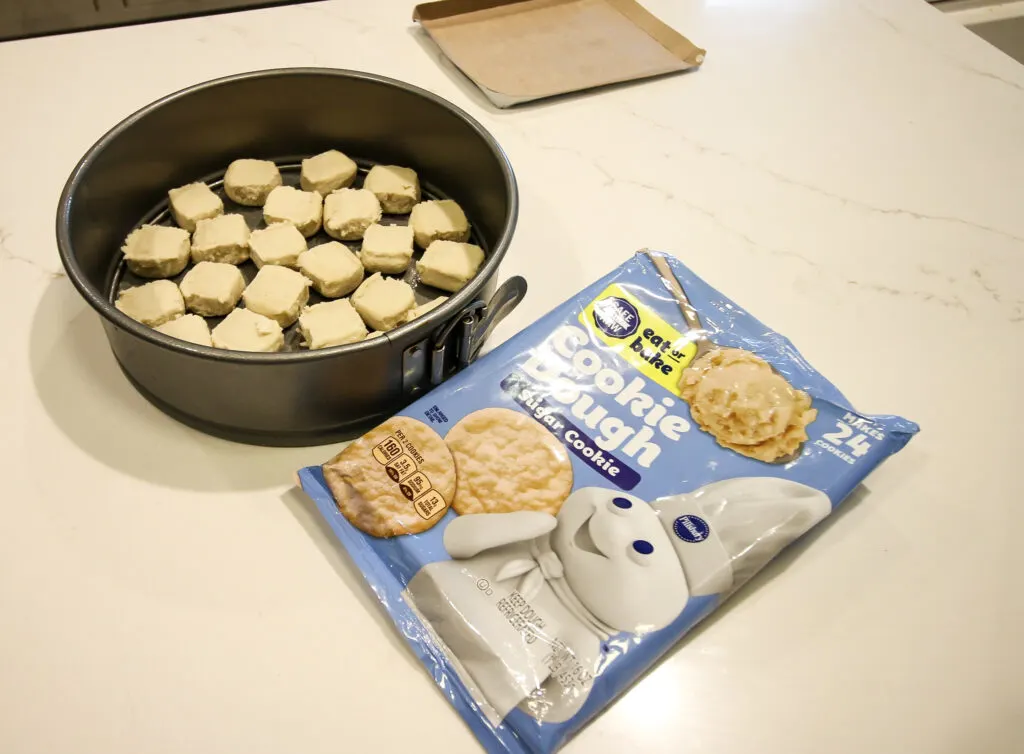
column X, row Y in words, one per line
column 546, row 524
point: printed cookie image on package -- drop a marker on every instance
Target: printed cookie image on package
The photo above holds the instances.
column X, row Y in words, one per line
column 506, row 461
column 603, row 480
column 397, row 479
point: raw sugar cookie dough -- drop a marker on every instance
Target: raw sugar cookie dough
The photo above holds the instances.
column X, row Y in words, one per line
column 349, row 212
column 224, row 238
column 327, row 171
column 277, row 292
column 397, row 188
column 211, row 289
column 333, row 268
column 386, row 248
column 202, row 253
column 506, row 461
column 191, row 327
column 157, row 251
column 397, row 479
column 332, row 323
column 382, row 302
column 153, row 303
column 192, row 203
column 738, row 399
column 441, row 220
column 449, row 265
column 422, row 309
column 303, row 209
column 245, row 330
column 249, row 182
column 280, row 243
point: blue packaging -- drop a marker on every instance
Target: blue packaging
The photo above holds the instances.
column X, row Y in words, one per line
column 546, row 524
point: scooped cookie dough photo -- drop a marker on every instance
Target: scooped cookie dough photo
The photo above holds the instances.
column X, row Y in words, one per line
column 738, row 399
column 397, row 479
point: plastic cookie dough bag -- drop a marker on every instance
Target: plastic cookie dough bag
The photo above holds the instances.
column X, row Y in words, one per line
column 590, row 491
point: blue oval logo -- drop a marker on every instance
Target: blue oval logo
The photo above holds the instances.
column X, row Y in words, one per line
column 616, row 317
column 691, row 528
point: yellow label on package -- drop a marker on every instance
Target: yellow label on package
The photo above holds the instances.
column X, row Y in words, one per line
column 639, row 336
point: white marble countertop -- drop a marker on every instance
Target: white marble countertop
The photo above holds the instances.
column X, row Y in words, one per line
column 850, row 170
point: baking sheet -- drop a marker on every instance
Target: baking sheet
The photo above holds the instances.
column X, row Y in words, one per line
column 522, row 50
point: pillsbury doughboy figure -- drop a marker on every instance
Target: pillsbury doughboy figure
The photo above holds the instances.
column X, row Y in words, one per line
column 528, row 600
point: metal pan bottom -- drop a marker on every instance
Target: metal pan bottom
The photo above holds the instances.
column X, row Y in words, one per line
column 342, row 431
column 121, row 278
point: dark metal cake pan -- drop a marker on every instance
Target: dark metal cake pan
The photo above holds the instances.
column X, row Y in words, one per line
column 297, row 397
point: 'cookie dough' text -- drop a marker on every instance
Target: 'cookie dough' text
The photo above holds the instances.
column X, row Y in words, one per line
column 532, row 398
column 568, row 342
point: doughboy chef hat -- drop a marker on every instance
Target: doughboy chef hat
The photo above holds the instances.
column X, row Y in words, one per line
column 725, row 532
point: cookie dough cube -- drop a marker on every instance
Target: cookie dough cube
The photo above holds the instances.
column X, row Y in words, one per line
column 442, row 220
column 303, row 209
column 349, row 212
column 245, row 330
column 221, row 239
column 333, row 268
column 449, row 265
column 156, row 251
column 386, row 248
column 422, row 309
column 192, row 203
column 249, row 182
column 277, row 292
column 280, row 243
column 333, row 323
column 327, row 171
column 153, row 303
column 383, row 302
column 212, row 289
column 397, row 189
column 190, row 327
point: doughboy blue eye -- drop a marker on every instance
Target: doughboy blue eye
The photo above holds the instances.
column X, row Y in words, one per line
column 621, row 502
column 643, row 547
